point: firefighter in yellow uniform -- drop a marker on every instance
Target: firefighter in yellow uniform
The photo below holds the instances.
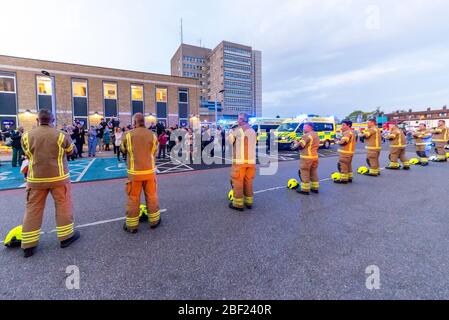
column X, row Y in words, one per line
column 373, row 139
column 308, row 168
column 421, row 136
column 244, row 140
column 348, row 144
column 47, row 149
column 440, row 136
column 397, row 148
column 140, row 145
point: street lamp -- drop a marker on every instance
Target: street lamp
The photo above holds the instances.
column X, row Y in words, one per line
column 216, row 106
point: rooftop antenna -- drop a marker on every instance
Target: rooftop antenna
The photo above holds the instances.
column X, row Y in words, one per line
column 182, row 33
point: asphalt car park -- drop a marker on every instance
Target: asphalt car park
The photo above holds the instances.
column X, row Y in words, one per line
column 288, row 247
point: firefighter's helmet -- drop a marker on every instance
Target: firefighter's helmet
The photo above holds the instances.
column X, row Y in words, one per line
column 143, row 213
column 336, row 176
column 363, row 170
column 293, row 184
column 447, row 155
column 14, row 238
column 415, row 161
column 231, row 195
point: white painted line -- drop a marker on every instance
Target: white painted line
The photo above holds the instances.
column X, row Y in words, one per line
column 284, row 187
column 101, row 222
column 85, row 170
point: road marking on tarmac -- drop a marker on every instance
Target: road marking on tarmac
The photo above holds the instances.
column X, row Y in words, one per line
column 91, row 224
column 165, row 210
column 84, row 171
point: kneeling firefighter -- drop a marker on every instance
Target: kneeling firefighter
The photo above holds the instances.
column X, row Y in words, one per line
column 422, row 141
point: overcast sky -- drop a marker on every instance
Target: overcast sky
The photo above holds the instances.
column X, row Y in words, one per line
column 319, row 56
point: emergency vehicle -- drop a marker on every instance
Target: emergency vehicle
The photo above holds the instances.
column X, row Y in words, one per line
column 293, row 129
column 263, row 127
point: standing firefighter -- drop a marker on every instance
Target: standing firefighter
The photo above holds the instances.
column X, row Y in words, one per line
column 440, row 136
column 347, row 143
column 397, row 148
column 373, row 139
column 243, row 140
column 47, row 150
column 422, row 136
column 141, row 145
column 308, row 171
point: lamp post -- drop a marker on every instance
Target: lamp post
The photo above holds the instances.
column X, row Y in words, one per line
column 216, row 107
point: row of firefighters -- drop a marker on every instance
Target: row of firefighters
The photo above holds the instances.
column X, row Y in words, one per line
column 47, row 150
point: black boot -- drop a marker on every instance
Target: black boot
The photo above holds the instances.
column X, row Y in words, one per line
column 306, row 193
column 231, row 206
column 154, row 226
column 249, row 206
column 316, row 191
column 68, row 242
column 125, row 228
column 27, row 253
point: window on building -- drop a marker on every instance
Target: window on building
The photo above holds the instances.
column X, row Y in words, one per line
column 45, row 98
column 79, row 88
column 183, row 99
column 110, row 99
column 137, row 92
column 7, row 84
column 161, row 104
column 110, row 91
column 137, row 99
column 8, row 101
column 161, row 95
column 44, row 86
column 80, row 100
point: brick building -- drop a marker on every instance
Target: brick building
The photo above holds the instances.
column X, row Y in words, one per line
column 90, row 93
column 414, row 118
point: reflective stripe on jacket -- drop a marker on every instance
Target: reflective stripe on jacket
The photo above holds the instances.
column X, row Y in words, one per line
column 397, row 139
column 440, row 134
column 46, row 149
column 309, row 144
column 347, row 143
column 141, row 145
column 373, row 139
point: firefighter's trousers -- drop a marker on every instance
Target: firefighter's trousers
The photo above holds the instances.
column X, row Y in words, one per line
column 397, row 154
column 309, row 174
column 35, row 206
column 372, row 158
column 345, row 167
column 421, row 151
column 242, row 176
column 134, row 191
column 441, row 151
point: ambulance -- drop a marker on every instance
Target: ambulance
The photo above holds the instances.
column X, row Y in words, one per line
column 263, row 127
column 293, row 129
